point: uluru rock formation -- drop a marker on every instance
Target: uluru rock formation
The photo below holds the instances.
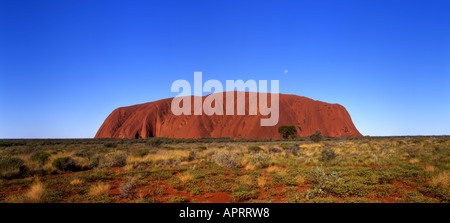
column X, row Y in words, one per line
column 155, row 119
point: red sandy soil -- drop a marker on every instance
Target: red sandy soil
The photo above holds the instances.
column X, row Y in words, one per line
column 155, row 119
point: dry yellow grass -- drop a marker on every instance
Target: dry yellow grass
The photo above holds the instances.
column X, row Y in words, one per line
column 300, row 180
column 246, row 179
column 272, row 169
column 128, row 167
column 442, row 179
column 99, row 189
column 165, row 155
column 315, row 161
column 141, row 196
column 429, row 168
column 132, row 160
column 76, row 182
column 276, row 169
column 413, row 161
column 35, row 193
column 261, row 181
column 185, row 177
column 250, row 167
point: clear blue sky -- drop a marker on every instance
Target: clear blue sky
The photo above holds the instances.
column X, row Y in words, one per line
column 65, row 65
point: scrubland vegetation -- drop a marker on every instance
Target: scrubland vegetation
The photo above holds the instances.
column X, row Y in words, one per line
column 377, row 169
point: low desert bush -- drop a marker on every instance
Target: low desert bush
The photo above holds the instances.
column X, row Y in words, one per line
column 154, row 142
column 192, row 155
column 126, row 188
column 94, row 163
column 65, row 164
column 291, row 149
column 350, row 189
column 41, row 157
column 85, row 153
column 226, row 159
column 287, row 131
column 110, row 145
column 254, row 149
column 11, row 167
column 201, row 148
column 259, row 160
column 316, row 136
column 244, row 192
column 328, row 155
column 274, row 150
column 117, row 159
column 323, row 182
column 142, row 153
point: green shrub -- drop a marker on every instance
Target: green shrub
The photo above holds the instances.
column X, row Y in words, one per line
column 94, row 163
column 178, row 199
column 323, row 182
column 254, row 149
column 274, row 150
column 328, row 155
column 98, row 175
column 260, row 160
column 11, row 167
column 117, row 159
column 201, row 148
column 65, row 164
column 350, row 189
column 192, row 155
column 154, row 142
column 316, row 136
column 437, row 192
column 142, row 153
column 287, row 131
column 386, row 177
column 244, row 193
column 291, row 150
column 85, row 153
column 41, row 157
column 110, row 145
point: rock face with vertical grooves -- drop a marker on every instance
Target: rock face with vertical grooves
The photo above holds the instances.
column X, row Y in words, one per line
column 155, row 119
